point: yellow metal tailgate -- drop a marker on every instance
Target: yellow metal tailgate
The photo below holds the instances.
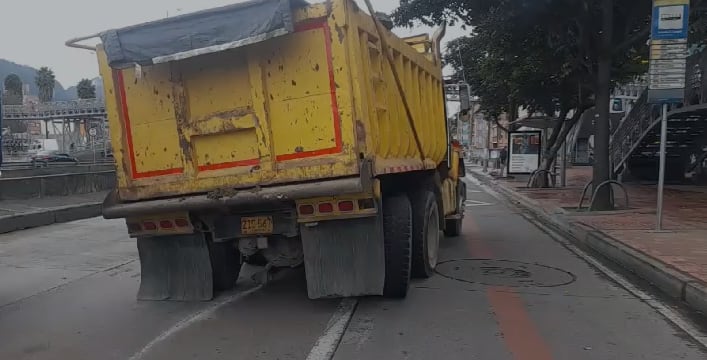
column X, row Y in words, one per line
column 274, row 112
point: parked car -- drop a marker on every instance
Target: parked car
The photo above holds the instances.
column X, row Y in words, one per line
column 44, row 158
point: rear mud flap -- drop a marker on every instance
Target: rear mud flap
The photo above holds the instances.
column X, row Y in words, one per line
column 175, row 268
column 344, row 258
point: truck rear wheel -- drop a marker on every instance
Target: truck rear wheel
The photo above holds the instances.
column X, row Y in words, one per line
column 186, row 267
column 257, row 259
column 453, row 227
column 225, row 264
column 425, row 234
column 397, row 237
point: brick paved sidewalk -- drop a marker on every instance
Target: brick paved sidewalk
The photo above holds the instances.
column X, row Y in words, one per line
column 682, row 248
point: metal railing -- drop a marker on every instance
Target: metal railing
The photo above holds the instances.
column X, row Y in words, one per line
column 55, row 110
column 631, row 131
column 30, row 165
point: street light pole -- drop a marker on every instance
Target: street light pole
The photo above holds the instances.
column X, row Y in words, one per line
column 459, row 126
column 488, row 145
column 661, row 171
column 563, row 166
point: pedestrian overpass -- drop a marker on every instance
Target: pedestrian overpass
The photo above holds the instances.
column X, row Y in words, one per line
column 635, row 144
column 75, row 109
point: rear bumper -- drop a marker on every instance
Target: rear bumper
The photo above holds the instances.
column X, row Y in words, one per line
column 114, row 209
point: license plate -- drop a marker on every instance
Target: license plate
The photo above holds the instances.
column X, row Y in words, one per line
column 256, row 225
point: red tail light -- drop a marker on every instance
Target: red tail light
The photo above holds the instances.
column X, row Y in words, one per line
column 182, row 223
column 326, row 208
column 346, row 206
column 149, row 226
column 166, row 224
column 306, row 209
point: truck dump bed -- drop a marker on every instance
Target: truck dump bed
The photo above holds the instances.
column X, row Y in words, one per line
column 306, row 101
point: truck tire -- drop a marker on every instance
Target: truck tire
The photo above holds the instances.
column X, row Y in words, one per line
column 425, row 233
column 453, row 227
column 257, row 259
column 225, row 264
column 397, row 237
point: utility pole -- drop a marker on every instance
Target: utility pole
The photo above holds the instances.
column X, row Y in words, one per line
column 661, row 173
column 1, row 144
column 563, row 166
column 459, row 126
column 488, row 145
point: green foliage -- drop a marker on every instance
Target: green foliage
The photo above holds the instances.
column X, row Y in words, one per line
column 698, row 22
column 28, row 74
column 45, row 81
column 85, row 89
column 13, row 83
column 13, row 88
column 539, row 54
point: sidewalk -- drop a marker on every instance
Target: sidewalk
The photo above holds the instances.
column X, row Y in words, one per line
column 24, row 214
column 674, row 260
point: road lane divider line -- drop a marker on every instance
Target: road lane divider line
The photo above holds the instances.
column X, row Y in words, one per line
column 519, row 332
column 193, row 318
column 674, row 317
column 521, row 336
column 325, row 346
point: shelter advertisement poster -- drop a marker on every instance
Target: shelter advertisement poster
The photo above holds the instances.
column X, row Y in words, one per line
column 524, row 152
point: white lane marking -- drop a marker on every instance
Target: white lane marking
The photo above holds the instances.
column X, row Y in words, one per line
column 471, row 203
column 193, row 318
column 326, row 345
column 671, row 315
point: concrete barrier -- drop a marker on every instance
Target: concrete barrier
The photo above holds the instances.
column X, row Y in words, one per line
column 48, row 216
column 54, row 170
column 22, row 188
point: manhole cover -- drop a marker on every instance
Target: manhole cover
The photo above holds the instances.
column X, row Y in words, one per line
column 504, row 273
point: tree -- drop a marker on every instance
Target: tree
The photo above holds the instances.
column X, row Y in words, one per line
column 85, row 89
column 45, row 81
column 13, row 96
column 13, row 89
column 553, row 52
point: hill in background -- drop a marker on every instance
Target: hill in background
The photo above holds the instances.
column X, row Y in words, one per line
column 28, row 73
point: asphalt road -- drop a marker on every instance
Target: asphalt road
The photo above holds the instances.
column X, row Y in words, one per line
column 506, row 290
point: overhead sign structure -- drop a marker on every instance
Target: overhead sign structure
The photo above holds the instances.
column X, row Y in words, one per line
column 668, row 51
column 524, row 152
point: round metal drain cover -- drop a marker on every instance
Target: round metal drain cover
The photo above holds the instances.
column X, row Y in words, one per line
column 504, row 273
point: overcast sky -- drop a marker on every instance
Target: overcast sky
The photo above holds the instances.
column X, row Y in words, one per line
column 34, row 31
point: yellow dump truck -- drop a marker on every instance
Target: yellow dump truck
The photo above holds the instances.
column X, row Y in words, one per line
column 279, row 133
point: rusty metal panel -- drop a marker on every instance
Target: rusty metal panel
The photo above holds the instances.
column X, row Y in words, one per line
column 301, row 107
column 387, row 136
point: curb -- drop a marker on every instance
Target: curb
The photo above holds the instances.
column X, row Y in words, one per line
column 55, row 215
column 671, row 281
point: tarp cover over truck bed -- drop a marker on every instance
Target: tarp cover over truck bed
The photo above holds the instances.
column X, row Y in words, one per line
column 199, row 33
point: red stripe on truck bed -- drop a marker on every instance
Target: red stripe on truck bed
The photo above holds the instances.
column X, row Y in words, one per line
column 129, row 137
column 324, row 26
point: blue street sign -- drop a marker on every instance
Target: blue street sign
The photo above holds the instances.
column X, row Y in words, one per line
column 670, row 21
column 668, row 51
